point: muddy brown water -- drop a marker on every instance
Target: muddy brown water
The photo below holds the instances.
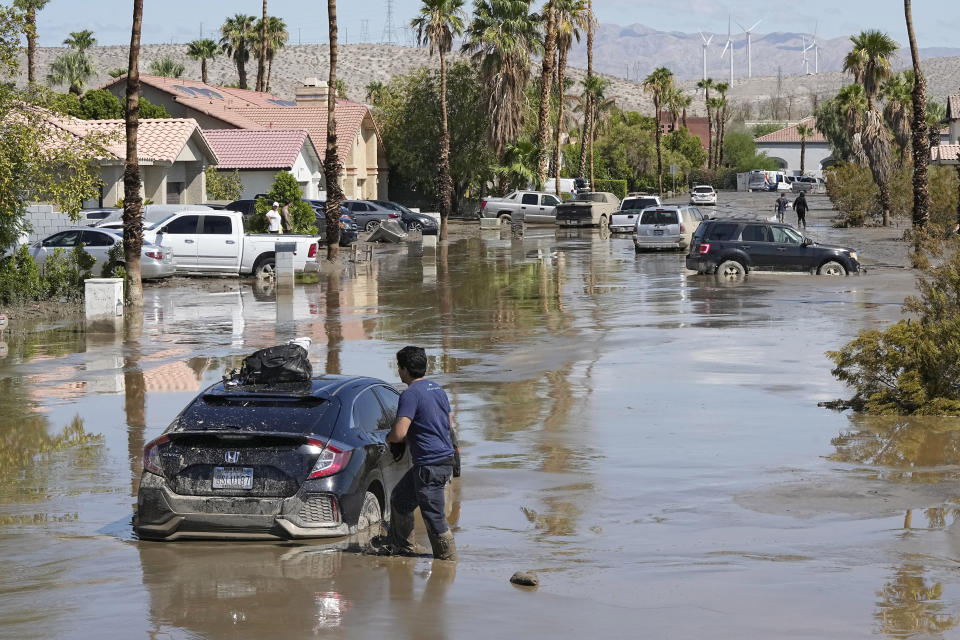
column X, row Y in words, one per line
column 648, row 441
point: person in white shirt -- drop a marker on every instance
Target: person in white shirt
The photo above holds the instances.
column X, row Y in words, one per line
column 273, row 219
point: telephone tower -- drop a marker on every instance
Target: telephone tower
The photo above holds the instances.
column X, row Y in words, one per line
column 364, row 31
column 387, row 37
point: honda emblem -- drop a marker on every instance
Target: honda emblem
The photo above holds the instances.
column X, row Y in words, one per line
column 231, row 456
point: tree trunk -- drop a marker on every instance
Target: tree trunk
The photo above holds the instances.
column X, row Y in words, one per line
column 331, row 161
column 721, row 129
column 561, row 70
column 803, row 155
column 656, row 110
column 921, row 141
column 31, row 44
column 446, row 184
column 203, row 70
column 241, row 74
column 262, row 61
column 957, row 228
column 588, row 107
column 269, row 74
column 132, row 216
column 876, row 145
column 584, row 137
column 546, row 79
column 593, row 135
column 709, row 132
column 684, row 119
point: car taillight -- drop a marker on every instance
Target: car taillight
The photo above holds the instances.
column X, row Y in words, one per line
column 156, row 255
column 394, row 215
column 313, row 249
column 151, row 455
column 704, row 248
column 332, row 460
column 683, row 229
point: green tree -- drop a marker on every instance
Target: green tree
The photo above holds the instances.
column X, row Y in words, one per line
column 285, row 189
column 804, row 131
column 921, row 152
column 277, row 37
column 203, row 49
column 720, row 115
column 659, row 85
column 341, row 89
column 571, row 18
column 519, row 168
column 687, row 145
column 116, row 73
column 706, row 84
column 72, row 69
column 374, row 92
column 549, row 20
column 166, row 67
column 30, row 8
column 897, row 109
column 332, row 166
column 237, row 35
column 438, row 23
column 740, row 150
column 81, row 40
column 223, row 185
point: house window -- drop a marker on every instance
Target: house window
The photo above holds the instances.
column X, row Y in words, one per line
column 174, row 192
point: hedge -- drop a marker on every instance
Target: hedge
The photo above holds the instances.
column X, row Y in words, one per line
column 616, row 187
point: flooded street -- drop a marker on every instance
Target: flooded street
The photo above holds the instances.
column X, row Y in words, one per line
column 646, row 439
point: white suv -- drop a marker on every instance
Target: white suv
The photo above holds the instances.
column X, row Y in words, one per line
column 703, row 194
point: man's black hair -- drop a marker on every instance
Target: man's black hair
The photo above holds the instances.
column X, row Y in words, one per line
column 414, row 360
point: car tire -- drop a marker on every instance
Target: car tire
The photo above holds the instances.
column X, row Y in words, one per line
column 603, row 222
column 371, row 513
column 731, row 269
column 415, row 226
column 504, row 218
column 832, row 268
column 265, row 267
column 370, row 226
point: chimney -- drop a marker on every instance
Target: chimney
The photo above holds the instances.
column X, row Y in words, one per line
column 314, row 92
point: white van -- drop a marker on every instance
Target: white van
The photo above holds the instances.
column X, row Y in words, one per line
column 566, row 186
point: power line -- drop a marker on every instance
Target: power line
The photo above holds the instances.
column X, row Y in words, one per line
column 364, row 31
column 387, row 37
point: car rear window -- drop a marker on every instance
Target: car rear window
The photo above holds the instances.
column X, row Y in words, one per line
column 703, row 189
column 638, row 203
column 263, row 412
column 722, row 231
column 658, row 217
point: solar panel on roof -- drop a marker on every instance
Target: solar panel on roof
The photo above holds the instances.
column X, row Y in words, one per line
column 209, row 93
column 190, row 91
column 282, row 103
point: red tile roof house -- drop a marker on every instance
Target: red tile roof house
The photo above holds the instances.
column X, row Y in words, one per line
column 258, row 154
column 949, row 150
column 783, row 146
column 359, row 143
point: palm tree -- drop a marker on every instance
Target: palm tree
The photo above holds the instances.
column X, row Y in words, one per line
column 277, row 37
column 72, row 69
column 870, row 63
column 519, row 163
column 706, row 85
column 921, row 145
column 30, row 7
column 237, row 34
column 714, row 105
column 331, row 160
column 804, row 132
column 571, row 17
column 262, row 42
column 375, row 91
column 116, row 73
column 437, row 24
column 546, row 78
column 166, row 67
column 721, row 113
column 852, row 104
column 684, row 101
column 341, row 89
column 132, row 218
column 597, row 104
column 501, row 38
column 587, row 108
column 897, row 109
column 202, row 50
column 80, row 40
column 659, row 85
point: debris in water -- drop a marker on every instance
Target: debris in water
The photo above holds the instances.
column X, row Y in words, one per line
column 525, row 579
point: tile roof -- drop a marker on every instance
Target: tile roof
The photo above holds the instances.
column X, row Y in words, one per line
column 948, row 153
column 257, row 148
column 953, row 106
column 789, row 134
column 158, row 140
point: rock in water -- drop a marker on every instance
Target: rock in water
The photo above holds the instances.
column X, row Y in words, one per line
column 525, row 579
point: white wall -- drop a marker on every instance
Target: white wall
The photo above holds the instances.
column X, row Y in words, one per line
column 255, row 182
column 817, row 152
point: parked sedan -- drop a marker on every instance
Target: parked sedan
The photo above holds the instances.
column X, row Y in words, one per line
column 411, row 220
column 703, row 194
column 292, row 460
column 155, row 262
column 368, row 214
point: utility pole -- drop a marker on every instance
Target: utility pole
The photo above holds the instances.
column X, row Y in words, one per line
column 387, row 37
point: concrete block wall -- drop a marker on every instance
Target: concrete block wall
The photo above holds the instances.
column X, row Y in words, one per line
column 46, row 221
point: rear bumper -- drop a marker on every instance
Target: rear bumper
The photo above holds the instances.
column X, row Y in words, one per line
column 696, row 263
column 622, row 228
column 643, row 242
column 574, row 222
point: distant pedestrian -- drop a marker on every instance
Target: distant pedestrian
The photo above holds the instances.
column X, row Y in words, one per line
column 273, row 219
column 801, row 207
column 285, row 218
column 782, row 203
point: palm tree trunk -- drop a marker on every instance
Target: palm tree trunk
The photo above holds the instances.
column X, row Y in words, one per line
column 921, row 142
column 331, row 161
column 656, row 110
column 262, row 62
column 132, row 218
column 241, row 73
column 721, row 128
column 561, row 70
column 684, row 118
column 546, row 79
column 709, row 132
column 446, row 184
column 588, row 107
column 593, row 135
column 803, row 155
column 269, row 74
column 584, row 137
column 31, row 44
column 876, row 145
column 203, row 70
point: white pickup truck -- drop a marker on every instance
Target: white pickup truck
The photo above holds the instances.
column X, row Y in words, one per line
column 212, row 241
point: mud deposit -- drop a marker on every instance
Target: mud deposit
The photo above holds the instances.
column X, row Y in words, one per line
column 646, row 440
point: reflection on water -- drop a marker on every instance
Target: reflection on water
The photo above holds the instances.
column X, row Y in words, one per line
column 910, row 605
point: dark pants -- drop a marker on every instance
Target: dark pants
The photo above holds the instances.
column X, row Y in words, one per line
column 802, row 219
column 422, row 486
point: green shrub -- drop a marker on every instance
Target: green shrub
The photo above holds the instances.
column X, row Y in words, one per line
column 61, row 278
column 616, row 187
column 853, row 193
column 223, row 185
column 285, row 189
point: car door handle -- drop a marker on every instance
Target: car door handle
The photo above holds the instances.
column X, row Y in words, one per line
column 781, row 248
column 188, row 241
column 231, row 242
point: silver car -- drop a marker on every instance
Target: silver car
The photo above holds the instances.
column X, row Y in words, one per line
column 666, row 227
column 155, row 261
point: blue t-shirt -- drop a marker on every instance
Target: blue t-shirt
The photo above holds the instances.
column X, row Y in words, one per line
column 428, row 408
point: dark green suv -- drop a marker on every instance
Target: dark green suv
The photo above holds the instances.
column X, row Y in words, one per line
column 735, row 247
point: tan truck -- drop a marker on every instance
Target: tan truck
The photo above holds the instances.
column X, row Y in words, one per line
column 588, row 209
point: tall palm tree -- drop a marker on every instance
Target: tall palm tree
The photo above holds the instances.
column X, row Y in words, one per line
column 331, row 160
column 30, row 7
column 375, row 90
column 237, row 35
column 546, row 79
column 202, row 50
column 659, row 84
column 501, row 38
column 81, row 40
column 132, row 218
column 897, row 109
column 684, row 101
column 261, row 31
column 597, row 103
column 870, row 63
column 587, row 110
column 714, row 105
column 721, row 113
column 852, row 104
column 277, row 37
column 707, row 84
column 804, row 132
column 571, row 17
column 921, row 145
column 437, row 24
column 72, row 69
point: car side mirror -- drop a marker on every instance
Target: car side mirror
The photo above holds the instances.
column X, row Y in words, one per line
column 807, row 242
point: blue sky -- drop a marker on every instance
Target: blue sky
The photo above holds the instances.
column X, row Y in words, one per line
column 937, row 21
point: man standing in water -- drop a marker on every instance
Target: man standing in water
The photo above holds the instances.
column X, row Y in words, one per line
column 424, row 423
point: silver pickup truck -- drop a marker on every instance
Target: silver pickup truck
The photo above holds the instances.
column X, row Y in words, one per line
column 537, row 207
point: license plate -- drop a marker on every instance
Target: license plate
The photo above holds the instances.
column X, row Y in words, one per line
column 569, row 223
column 232, row 478
column 658, row 232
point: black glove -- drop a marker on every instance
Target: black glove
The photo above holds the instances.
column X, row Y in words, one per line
column 456, row 462
column 397, row 449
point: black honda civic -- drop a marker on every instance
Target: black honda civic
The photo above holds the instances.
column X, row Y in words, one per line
column 278, row 461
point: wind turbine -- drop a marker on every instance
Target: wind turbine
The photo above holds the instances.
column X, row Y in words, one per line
column 729, row 45
column 706, row 43
column 749, row 32
column 804, row 64
column 816, row 49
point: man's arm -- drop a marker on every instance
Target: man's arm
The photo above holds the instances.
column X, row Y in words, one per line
column 399, row 430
